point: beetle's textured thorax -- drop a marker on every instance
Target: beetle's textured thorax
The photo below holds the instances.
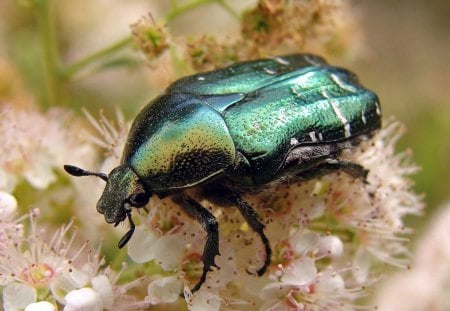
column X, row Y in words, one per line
column 177, row 142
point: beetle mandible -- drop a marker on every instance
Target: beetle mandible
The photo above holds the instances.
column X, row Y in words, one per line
column 234, row 130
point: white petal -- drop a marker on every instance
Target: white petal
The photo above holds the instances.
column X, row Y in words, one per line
column 41, row 175
column 331, row 246
column 302, row 272
column 41, row 306
column 165, row 290
column 362, row 263
column 7, row 181
column 273, row 291
column 102, row 285
column 204, row 301
column 67, row 282
column 140, row 247
column 228, row 270
column 303, row 242
column 330, row 283
column 17, row 296
column 169, row 250
column 84, row 299
column 8, row 206
column 413, row 290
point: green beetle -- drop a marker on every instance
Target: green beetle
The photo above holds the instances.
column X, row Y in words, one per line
column 234, row 130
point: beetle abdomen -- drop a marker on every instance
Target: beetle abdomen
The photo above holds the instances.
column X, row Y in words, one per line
column 324, row 105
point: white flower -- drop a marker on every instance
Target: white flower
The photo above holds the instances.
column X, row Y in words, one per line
column 145, row 246
column 35, row 267
column 83, row 299
column 164, row 290
column 18, row 296
column 429, row 275
column 8, row 206
column 10, row 229
column 112, row 136
column 40, row 306
column 34, row 145
column 302, row 287
column 33, row 260
column 330, row 246
column 204, row 300
column 102, row 285
column 388, row 198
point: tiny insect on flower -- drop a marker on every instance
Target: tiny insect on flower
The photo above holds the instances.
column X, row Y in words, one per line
column 233, row 131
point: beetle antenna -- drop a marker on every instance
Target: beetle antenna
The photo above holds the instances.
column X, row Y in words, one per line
column 76, row 171
column 124, row 240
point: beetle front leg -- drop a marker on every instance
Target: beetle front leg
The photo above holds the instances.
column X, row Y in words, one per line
column 210, row 225
column 251, row 217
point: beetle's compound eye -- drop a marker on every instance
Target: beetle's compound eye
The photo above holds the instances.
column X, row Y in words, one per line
column 138, row 199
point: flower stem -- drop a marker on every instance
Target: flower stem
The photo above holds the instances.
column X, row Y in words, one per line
column 229, row 9
column 181, row 9
column 71, row 70
column 46, row 24
column 172, row 14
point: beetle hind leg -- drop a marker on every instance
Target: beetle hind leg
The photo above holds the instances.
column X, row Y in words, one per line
column 332, row 165
column 210, row 225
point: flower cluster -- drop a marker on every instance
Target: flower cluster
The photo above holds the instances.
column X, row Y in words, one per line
column 33, row 146
column 40, row 271
column 271, row 27
column 330, row 237
column 152, row 38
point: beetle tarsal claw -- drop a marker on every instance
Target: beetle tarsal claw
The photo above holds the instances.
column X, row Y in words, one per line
column 250, row 272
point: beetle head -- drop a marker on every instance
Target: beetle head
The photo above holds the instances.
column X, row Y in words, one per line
column 123, row 190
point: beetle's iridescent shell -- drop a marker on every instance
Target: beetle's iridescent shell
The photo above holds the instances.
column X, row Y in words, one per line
column 265, row 110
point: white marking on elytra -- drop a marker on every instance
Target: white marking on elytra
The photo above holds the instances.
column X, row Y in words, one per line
column 312, row 61
column 313, row 137
column 294, row 141
column 295, row 89
column 338, row 113
column 378, row 110
column 281, row 61
column 200, row 78
column 363, row 117
column 342, row 84
column 269, row 71
column 320, row 136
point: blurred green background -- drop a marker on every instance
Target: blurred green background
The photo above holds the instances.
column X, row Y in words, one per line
column 406, row 60
column 409, row 67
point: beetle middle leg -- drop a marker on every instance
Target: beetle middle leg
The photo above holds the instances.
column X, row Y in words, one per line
column 250, row 216
column 210, row 225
